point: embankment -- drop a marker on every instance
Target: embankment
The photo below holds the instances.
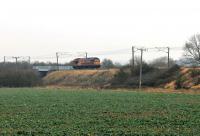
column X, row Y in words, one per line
column 183, row 78
column 83, row 78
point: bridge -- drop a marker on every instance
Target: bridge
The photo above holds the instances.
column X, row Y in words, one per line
column 43, row 70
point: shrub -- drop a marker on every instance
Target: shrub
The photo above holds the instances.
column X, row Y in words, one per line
column 20, row 75
column 145, row 69
column 169, row 72
column 165, row 76
column 180, row 82
column 120, row 77
column 195, row 72
column 151, row 76
column 18, row 78
column 198, row 81
column 127, row 76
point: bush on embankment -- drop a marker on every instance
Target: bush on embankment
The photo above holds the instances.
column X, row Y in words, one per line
column 173, row 78
column 188, row 78
column 151, row 77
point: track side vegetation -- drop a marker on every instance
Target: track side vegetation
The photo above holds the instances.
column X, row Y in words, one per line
column 175, row 77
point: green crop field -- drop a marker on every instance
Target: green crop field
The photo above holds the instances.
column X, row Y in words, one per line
column 89, row 112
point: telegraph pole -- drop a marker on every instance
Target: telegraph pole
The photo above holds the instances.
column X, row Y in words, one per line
column 141, row 63
column 16, row 59
column 29, row 59
column 4, row 59
column 168, row 49
column 133, row 56
column 140, row 80
column 163, row 49
column 57, row 57
column 86, row 55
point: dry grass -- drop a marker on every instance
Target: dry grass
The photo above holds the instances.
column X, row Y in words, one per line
column 80, row 77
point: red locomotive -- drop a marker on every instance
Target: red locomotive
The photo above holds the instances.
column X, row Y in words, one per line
column 84, row 63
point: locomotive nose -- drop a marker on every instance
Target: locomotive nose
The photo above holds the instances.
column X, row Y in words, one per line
column 84, row 63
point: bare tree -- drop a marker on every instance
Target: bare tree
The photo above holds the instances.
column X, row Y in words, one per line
column 137, row 60
column 107, row 63
column 192, row 49
column 162, row 62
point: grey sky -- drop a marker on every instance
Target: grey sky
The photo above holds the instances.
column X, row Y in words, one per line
column 42, row 27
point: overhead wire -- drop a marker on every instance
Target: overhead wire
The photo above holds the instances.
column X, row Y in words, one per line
column 63, row 55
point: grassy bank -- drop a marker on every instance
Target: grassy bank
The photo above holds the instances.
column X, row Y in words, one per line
column 81, row 78
column 83, row 112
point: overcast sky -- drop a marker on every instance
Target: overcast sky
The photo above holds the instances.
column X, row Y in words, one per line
column 41, row 27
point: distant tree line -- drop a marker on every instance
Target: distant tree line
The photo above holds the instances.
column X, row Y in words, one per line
column 18, row 75
column 37, row 63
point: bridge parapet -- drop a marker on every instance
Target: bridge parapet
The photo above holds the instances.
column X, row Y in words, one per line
column 51, row 68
